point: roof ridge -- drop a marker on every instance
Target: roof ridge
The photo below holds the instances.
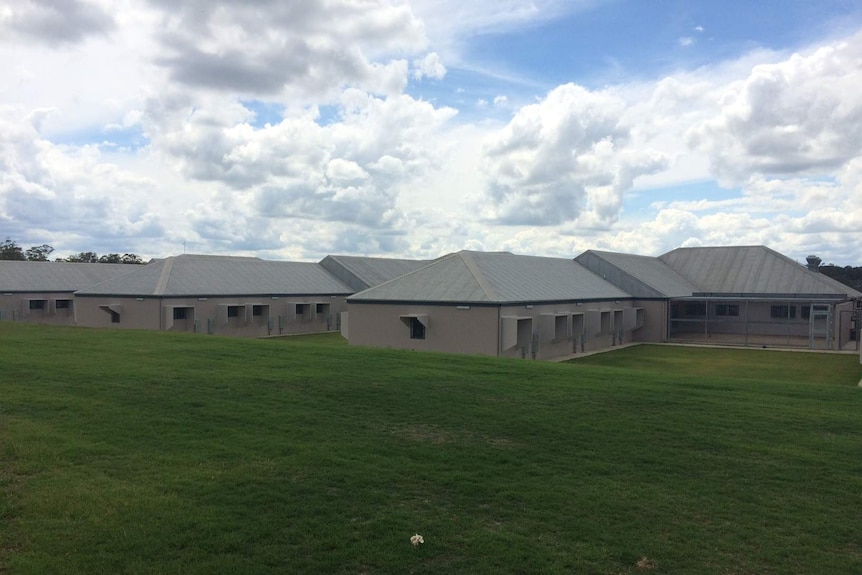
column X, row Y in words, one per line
column 165, row 275
column 490, row 292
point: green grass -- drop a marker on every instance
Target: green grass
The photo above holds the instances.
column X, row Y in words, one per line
column 136, row 452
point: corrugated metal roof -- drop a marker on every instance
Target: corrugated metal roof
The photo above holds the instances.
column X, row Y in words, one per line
column 750, row 270
column 642, row 276
column 364, row 272
column 195, row 275
column 23, row 276
column 494, row 277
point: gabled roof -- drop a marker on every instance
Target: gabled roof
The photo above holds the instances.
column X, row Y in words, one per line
column 196, row 275
column 363, row 272
column 494, row 278
column 751, row 270
column 24, row 276
column 641, row 276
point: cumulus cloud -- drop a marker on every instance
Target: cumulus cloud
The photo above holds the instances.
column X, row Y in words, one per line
column 300, row 48
column 566, row 152
column 286, row 129
column 69, row 192
column 429, row 67
column 349, row 171
column 55, row 23
column 799, row 116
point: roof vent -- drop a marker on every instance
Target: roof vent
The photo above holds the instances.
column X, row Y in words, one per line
column 813, row 263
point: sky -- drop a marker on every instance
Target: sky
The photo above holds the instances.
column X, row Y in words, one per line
column 290, row 130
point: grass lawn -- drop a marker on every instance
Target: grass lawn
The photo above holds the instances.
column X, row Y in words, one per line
column 141, row 452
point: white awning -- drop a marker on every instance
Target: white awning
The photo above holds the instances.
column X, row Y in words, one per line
column 420, row 317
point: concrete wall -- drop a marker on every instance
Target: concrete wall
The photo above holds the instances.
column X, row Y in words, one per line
column 56, row 308
column 236, row 316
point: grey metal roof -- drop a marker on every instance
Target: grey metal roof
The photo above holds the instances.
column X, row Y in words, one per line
column 196, row 275
column 364, row 272
column 23, row 276
column 641, row 276
column 495, row 277
column 751, row 270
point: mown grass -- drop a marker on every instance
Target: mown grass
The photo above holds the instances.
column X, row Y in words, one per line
column 133, row 452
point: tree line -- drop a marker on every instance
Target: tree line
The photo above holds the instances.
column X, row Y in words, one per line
column 848, row 275
column 10, row 250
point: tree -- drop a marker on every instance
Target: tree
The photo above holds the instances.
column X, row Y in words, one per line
column 110, row 259
column 39, row 253
column 10, row 250
column 131, row 259
column 84, row 257
column 848, row 275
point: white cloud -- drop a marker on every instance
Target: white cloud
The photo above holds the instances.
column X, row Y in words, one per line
column 55, row 24
column 429, row 67
column 567, row 154
column 800, row 116
column 302, row 49
column 356, row 159
column 685, row 41
column 57, row 191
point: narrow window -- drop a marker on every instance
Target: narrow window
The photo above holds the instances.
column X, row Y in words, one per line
column 257, row 310
column 37, row 304
column 64, row 304
column 806, row 312
column 115, row 317
column 321, row 308
column 233, row 311
column 300, row 308
column 417, row 329
column 180, row 313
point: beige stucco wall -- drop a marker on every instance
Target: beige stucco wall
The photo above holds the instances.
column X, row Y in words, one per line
column 275, row 315
column 543, row 331
column 16, row 306
column 562, row 329
column 452, row 330
column 654, row 329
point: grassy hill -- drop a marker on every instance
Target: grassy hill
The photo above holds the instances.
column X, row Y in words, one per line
column 141, row 452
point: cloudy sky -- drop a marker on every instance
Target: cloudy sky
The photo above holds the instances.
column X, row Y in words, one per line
column 292, row 129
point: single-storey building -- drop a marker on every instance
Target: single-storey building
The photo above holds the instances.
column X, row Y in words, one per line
column 498, row 304
column 739, row 295
column 494, row 303
column 217, row 295
column 43, row 292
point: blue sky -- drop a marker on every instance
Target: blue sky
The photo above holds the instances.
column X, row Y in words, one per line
column 417, row 128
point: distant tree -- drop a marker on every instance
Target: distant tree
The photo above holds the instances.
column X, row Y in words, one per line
column 84, row 257
column 110, row 259
column 39, row 253
column 131, row 259
column 10, row 250
column 848, row 275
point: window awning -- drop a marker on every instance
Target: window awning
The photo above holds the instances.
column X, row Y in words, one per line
column 420, row 317
column 114, row 307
